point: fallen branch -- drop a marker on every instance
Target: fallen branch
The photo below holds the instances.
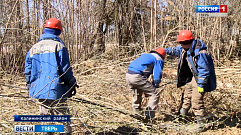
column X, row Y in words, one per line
column 12, row 86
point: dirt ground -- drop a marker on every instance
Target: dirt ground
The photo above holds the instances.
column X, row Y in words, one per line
column 102, row 104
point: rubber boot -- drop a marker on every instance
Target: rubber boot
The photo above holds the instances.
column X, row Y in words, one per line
column 200, row 123
column 182, row 116
column 183, row 111
column 149, row 113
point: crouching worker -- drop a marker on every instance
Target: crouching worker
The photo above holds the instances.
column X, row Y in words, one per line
column 195, row 66
column 49, row 75
column 138, row 72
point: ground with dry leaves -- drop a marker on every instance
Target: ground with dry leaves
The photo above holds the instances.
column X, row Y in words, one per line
column 102, row 104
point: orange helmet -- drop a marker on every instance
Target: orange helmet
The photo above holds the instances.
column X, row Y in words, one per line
column 53, row 23
column 162, row 52
column 184, row 35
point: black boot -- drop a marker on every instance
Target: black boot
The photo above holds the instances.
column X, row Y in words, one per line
column 149, row 113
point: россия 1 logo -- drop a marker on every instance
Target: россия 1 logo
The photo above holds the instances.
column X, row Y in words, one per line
column 211, row 10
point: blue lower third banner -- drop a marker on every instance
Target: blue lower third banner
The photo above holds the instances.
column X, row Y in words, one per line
column 39, row 128
column 42, row 118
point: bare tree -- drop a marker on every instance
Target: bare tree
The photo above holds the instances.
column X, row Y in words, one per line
column 132, row 26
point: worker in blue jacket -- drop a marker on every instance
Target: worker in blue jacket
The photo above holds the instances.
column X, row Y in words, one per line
column 49, row 75
column 138, row 72
column 195, row 66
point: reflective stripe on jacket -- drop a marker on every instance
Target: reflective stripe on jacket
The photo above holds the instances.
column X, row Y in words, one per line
column 48, row 70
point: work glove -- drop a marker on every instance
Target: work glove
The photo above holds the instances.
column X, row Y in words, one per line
column 73, row 90
column 156, row 83
column 200, row 90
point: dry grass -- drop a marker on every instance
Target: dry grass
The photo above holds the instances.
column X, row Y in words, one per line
column 108, row 110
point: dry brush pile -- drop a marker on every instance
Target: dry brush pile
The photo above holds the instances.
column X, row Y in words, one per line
column 103, row 101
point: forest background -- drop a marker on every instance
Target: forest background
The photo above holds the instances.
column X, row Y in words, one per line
column 103, row 36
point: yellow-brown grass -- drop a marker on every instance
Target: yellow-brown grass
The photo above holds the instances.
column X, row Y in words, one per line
column 103, row 82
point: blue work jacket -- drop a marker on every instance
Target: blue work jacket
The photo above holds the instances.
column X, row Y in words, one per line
column 147, row 64
column 195, row 62
column 47, row 69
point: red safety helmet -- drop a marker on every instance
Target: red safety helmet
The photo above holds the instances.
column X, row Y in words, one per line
column 162, row 52
column 184, row 35
column 53, row 23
